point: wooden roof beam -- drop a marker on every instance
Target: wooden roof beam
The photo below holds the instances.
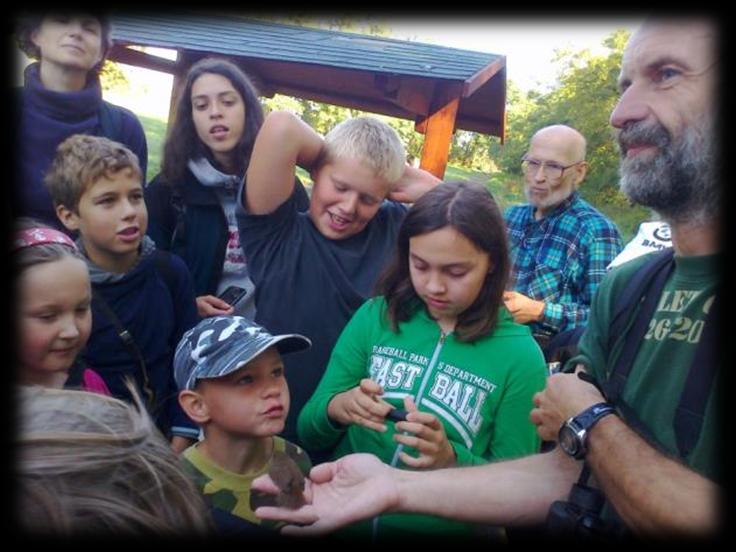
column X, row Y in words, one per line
column 352, row 102
column 123, row 54
column 413, row 97
column 484, row 75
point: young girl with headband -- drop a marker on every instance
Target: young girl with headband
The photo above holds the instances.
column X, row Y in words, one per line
column 53, row 314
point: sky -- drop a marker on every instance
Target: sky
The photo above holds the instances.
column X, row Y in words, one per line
column 528, row 45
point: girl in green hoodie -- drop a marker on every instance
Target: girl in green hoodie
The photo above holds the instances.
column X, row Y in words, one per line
column 438, row 343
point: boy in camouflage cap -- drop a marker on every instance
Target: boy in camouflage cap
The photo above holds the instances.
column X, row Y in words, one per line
column 231, row 382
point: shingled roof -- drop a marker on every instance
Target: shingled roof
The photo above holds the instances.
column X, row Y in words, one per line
column 400, row 78
column 265, row 40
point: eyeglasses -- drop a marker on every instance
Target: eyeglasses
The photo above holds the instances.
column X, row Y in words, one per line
column 550, row 169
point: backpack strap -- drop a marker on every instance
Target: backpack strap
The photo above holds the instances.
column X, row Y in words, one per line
column 127, row 338
column 162, row 259
column 180, row 209
column 689, row 414
column 643, row 289
column 635, row 290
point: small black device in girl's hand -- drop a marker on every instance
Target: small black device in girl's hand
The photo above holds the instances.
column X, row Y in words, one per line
column 397, row 415
column 233, row 294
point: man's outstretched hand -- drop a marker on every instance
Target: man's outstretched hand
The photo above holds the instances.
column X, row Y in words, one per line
column 355, row 487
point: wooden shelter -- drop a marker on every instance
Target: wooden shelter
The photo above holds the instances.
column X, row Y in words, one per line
column 441, row 89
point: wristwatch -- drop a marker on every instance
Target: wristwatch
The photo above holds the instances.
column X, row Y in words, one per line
column 573, row 435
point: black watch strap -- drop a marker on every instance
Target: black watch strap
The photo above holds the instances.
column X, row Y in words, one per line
column 573, row 436
column 590, row 416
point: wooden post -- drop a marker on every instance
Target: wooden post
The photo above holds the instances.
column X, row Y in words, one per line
column 439, row 126
column 175, row 90
column 183, row 63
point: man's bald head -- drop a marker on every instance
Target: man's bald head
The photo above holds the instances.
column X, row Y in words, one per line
column 560, row 149
column 569, row 142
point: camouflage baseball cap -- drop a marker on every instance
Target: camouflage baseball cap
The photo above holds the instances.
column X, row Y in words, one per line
column 219, row 345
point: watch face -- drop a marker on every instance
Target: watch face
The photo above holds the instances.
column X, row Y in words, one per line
column 568, row 440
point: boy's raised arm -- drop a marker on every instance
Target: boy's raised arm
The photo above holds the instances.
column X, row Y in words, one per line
column 413, row 184
column 283, row 142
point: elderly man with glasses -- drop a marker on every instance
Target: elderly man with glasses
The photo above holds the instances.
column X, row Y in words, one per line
column 560, row 244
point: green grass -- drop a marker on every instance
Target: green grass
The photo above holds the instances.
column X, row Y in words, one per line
column 507, row 190
column 305, row 178
column 155, row 130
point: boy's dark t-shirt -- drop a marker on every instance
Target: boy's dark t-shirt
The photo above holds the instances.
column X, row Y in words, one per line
column 312, row 285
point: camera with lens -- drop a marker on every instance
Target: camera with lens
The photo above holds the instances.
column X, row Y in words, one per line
column 579, row 516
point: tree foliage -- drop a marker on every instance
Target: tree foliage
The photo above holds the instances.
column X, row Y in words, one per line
column 113, row 78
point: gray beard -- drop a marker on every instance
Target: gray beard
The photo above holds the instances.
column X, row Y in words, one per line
column 680, row 182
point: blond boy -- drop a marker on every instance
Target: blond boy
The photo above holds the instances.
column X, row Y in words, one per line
column 313, row 270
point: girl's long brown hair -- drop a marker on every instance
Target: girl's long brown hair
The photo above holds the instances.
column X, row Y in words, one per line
column 182, row 142
column 470, row 209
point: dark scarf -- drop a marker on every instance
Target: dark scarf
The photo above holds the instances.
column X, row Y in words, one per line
column 47, row 118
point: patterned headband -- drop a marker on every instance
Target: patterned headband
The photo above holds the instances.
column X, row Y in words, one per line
column 41, row 236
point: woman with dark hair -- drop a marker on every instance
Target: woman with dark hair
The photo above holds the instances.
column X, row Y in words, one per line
column 61, row 96
column 191, row 203
column 439, row 345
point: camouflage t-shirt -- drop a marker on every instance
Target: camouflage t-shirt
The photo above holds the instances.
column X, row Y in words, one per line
column 231, row 492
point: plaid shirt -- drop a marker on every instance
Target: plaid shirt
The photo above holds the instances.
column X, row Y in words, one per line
column 561, row 259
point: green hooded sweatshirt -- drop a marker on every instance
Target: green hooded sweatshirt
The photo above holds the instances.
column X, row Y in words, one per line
column 480, row 391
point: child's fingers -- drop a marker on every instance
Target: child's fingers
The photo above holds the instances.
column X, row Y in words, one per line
column 408, row 440
column 372, row 408
column 379, row 409
column 421, row 462
column 364, row 416
column 409, row 404
column 384, row 406
column 370, row 387
column 414, row 428
column 376, row 426
column 421, row 423
column 424, row 418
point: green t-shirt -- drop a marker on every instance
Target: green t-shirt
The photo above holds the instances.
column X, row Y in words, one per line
column 661, row 366
column 229, row 491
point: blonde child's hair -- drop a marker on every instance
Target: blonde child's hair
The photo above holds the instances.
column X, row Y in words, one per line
column 90, row 464
column 80, row 161
column 370, row 140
